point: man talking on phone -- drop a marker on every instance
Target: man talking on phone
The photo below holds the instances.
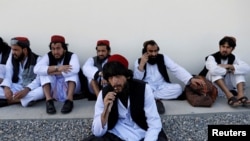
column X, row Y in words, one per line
column 152, row 67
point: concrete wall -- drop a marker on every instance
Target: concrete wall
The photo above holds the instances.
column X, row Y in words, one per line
column 186, row 30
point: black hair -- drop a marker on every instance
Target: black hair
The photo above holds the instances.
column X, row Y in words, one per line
column 3, row 46
column 115, row 68
column 149, row 42
column 230, row 40
column 64, row 45
column 101, row 44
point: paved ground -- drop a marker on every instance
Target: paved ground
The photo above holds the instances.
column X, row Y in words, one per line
column 85, row 109
column 181, row 122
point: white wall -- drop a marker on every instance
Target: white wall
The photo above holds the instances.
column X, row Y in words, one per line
column 186, row 30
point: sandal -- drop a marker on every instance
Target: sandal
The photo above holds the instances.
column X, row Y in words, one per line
column 244, row 100
column 234, row 102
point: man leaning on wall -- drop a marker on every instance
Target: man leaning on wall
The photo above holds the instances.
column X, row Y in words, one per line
column 21, row 84
column 59, row 70
column 92, row 68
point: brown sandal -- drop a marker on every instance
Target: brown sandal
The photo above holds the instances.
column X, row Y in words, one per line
column 244, row 100
column 234, row 102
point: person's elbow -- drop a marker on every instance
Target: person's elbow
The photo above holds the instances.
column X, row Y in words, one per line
column 36, row 69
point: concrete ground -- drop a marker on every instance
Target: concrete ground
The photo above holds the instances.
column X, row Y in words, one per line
column 84, row 108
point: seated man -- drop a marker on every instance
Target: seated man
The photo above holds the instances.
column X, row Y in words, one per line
column 152, row 68
column 92, row 68
column 4, row 54
column 59, row 75
column 228, row 72
column 20, row 83
column 125, row 109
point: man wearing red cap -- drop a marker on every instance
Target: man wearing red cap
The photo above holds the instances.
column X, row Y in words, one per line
column 4, row 54
column 153, row 68
column 227, row 72
column 92, row 68
column 125, row 108
column 59, row 75
column 20, row 83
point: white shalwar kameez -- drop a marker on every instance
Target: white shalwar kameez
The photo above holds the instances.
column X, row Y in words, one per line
column 125, row 127
column 216, row 72
column 161, row 88
column 36, row 92
column 58, row 83
column 89, row 71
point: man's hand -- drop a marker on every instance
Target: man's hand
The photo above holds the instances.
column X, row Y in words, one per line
column 65, row 68
column 8, row 93
column 21, row 94
column 108, row 100
column 197, row 82
column 108, row 103
column 228, row 67
column 104, row 82
column 144, row 60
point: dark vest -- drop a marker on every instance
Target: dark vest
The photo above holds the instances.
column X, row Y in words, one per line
column 161, row 67
column 97, row 63
column 53, row 61
column 217, row 57
column 5, row 55
column 31, row 61
column 136, row 95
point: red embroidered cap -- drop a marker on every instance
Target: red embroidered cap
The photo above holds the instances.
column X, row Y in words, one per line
column 57, row 38
column 118, row 58
column 103, row 42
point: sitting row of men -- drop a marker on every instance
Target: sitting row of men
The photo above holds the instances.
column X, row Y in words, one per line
column 224, row 69
column 29, row 77
column 128, row 102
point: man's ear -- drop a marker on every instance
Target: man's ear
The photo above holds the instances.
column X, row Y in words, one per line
column 25, row 50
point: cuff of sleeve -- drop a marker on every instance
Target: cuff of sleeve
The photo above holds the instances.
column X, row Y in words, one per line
column 96, row 75
column 189, row 81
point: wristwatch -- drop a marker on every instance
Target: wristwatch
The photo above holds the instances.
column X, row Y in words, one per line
column 56, row 68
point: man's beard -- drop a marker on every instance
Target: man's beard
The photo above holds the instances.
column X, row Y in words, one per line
column 60, row 59
column 20, row 58
column 223, row 57
column 123, row 95
column 101, row 60
column 152, row 60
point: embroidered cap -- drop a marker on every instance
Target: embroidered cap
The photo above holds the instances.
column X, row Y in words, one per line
column 103, row 42
column 119, row 58
column 57, row 39
column 20, row 41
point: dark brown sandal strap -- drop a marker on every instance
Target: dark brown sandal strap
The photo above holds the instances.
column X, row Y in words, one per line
column 243, row 99
column 232, row 100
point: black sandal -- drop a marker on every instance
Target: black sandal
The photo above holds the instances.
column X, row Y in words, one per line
column 233, row 101
column 244, row 101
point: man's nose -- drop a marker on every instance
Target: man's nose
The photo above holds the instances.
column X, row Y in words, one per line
column 115, row 80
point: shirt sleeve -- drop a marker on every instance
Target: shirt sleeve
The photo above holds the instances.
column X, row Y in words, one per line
column 97, row 128
column 213, row 67
column 240, row 66
column 137, row 73
column 35, row 83
column 178, row 71
column 41, row 68
column 152, row 115
column 89, row 69
column 74, row 62
column 7, row 81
